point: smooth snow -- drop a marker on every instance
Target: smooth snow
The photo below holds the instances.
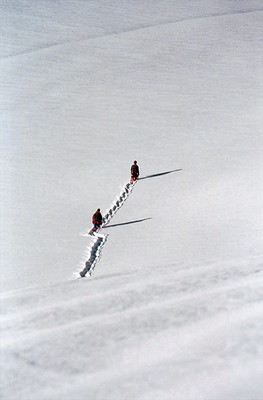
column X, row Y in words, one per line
column 173, row 310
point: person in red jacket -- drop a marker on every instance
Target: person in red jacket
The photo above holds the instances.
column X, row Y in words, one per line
column 134, row 171
column 97, row 220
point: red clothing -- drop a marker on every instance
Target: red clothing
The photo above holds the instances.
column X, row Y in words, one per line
column 97, row 218
column 135, row 171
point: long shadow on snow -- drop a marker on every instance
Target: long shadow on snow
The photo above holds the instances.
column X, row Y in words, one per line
column 160, row 174
column 126, row 223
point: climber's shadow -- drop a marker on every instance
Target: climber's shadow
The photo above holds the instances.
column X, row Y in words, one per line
column 126, row 223
column 160, row 174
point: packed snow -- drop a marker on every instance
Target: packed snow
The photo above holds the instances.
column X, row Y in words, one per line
column 173, row 309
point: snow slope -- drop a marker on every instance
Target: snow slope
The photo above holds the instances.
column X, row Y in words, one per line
column 174, row 307
column 168, row 333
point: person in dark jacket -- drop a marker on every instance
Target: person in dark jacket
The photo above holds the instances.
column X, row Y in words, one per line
column 97, row 220
column 134, row 171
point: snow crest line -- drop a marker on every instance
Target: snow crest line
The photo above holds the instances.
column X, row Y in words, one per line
column 128, row 30
column 98, row 243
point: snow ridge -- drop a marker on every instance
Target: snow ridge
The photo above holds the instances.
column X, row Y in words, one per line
column 98, row 243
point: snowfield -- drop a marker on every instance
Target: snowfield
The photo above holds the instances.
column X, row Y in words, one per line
column 172, row 332
column 173, row 309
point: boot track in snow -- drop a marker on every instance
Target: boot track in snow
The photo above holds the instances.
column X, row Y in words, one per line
column 99, row 239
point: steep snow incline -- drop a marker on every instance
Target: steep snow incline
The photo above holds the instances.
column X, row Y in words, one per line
column 186, row 95
column 174, row 310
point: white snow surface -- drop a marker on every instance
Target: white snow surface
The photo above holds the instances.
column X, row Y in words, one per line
column 173, row 310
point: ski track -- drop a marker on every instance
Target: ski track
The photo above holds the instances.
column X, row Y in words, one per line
column 98, row 243
column 123, row 31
